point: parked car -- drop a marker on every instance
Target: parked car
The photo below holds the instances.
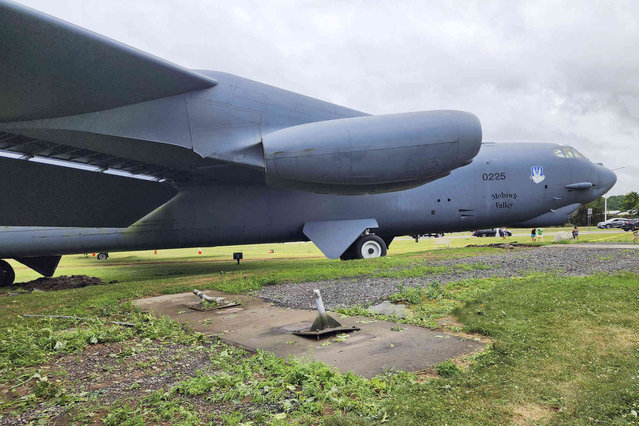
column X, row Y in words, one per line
column 612, row 223
column 488, row 233
column 631, row 225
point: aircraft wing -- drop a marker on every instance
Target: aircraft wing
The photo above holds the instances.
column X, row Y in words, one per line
column 55, row 78
column 70, row 95
column 51, row 68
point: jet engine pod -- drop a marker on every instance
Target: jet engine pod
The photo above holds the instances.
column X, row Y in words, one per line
column 371, row 154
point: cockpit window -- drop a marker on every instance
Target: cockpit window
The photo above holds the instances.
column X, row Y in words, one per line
column 578, row 154
column 559, row 153
column 568, row 152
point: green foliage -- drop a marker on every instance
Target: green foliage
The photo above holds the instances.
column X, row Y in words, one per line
column 411, row 295
column 614, row 202
column 551, row 334
column 124, row 415
column 31, row 341
column 297, row 387
column 630, row 202
column 580, row 217
column 416, row 295
column 431, row 303
column 566, row 347
column 448, row 369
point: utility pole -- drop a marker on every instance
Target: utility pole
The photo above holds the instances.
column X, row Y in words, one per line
column 605, row 208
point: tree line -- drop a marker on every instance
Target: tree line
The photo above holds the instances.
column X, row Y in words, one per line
column 628, row 202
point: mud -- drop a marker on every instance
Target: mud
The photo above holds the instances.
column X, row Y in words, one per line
column 59, row 283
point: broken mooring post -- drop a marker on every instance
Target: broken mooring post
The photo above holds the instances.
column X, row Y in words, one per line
column 323, row 324
column 208, row 303
column 206, row 298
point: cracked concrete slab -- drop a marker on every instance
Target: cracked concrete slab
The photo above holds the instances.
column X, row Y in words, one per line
column 390, row 309
column 256, row 324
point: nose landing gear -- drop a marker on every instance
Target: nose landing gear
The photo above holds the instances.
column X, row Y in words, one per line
column 7, row 275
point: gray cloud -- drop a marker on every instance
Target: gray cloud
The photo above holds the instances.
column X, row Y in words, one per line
column 560, row 71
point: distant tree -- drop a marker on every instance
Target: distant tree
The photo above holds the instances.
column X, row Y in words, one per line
column 630, row 202
column 580, row 217
column 614, row 202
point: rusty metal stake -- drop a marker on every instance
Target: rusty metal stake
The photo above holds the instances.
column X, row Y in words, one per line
column 323, row 324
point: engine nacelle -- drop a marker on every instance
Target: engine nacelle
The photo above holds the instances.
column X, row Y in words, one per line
column 371, row 154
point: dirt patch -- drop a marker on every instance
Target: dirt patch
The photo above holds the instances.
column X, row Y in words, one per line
column 610, row 338
column 109, row 375
column 531, row 413
column 61, row 283
column 426, row 375
column 117, row 373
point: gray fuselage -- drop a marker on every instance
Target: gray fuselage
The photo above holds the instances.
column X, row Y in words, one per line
column 495, row 190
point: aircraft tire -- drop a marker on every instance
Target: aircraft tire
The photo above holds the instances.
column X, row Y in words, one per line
column 103, row 256
column 7, row 275
column 369, row 246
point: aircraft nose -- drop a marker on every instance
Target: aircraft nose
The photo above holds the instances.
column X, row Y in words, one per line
column 607, row 178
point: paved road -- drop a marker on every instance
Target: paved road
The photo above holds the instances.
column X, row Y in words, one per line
column 597, row 246
column 527, row 234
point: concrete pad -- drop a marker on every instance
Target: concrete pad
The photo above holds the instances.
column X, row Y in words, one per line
column 259, row 325
column 390, row 309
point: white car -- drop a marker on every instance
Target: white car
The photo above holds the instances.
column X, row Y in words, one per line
column 612, row 223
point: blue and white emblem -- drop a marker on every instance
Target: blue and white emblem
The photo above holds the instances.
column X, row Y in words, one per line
column 537, row 174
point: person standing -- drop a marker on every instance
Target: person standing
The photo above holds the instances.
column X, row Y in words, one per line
column 540, row 234
column 575, row 233
column 501, row 233
column 533, row 234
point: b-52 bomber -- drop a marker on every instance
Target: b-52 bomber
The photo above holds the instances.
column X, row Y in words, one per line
column 107, row 148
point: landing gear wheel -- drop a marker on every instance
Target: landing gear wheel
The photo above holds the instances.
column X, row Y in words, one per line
column 369, row 246
column 6, row 274
column 103, row 256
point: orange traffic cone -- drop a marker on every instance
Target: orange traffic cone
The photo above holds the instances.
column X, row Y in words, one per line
column 155, row 252
column 199, row 251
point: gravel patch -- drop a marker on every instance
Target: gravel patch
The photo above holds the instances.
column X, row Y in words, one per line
column 562, row 260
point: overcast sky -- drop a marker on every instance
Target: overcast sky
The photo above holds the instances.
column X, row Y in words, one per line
column 555, row 71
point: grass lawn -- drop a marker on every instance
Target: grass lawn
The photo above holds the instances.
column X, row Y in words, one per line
column 564, row 350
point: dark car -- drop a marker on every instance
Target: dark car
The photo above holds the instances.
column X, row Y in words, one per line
column 488, row 233
column 631, row 225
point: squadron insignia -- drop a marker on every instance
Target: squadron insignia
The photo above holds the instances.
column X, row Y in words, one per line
column 537, row 174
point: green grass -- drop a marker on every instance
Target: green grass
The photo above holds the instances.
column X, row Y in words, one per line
column 564, row 350
column 132, row 266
